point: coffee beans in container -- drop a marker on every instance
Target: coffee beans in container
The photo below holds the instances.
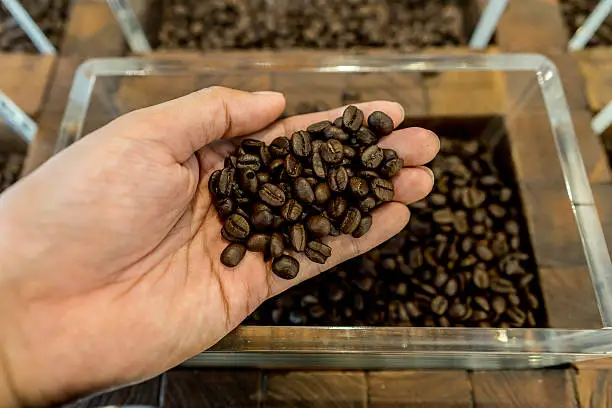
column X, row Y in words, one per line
column 288, row 197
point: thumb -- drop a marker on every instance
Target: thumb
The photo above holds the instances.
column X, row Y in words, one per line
column 187, row 124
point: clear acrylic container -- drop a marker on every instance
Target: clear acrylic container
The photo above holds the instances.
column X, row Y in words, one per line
column 519, row 106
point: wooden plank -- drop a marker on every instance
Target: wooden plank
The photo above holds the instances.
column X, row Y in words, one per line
column 602, row 193
column 569, row 298
column 212, row 388
column 596, row 67
column 524, row 389
column 316, row 389
column 24, row 79
column 146, row 393
column 593, row 152
column 532, row 25
column 92, row 32
column 594, row 388
column 419, row 389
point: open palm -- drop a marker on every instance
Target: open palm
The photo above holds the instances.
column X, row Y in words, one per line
column 121, row 269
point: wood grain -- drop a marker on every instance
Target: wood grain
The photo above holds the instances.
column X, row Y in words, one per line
column 595, row 65
column 329, row 389
column 212, row 388
column 594, row 388
column 146, row 393
column 419, row 389
column 524, row 389
column 25, row 78
column 569, row 298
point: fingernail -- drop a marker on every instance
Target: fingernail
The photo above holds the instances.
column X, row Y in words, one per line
column 267, row 93
column 431, row 173
column 403, row 114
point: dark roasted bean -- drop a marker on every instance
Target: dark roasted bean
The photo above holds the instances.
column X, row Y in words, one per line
column 272, row 195
column 318, row 226
column 258, row 242
column 249, row 162
column 225, row 207
column 285, row 267
column 332, row 151
column 336, row 133
column 358, row 186
column 382, row 189
column 213, row 182
column 303, row 190
column 349, row 152
column 277, row 245
column 352, row 118
column 372, row 157
column 322, row 193
column 367, row 204
column 389, row 154
column 280, row 147
column 365, row 137
column 247, row 180
column 237, row 226
column 226, row 181
column 292, row 210
column 317, row 252
column 297, row 237
column 251, row 145
column 364, row 226
column 380, row 123
column 318, row 127
column 336, row 207
column 233, row 254
column 351, row 221
column 293, row 168
column 277, row 169
column 262, row 217
column 301, row 144
column 337, row 179
column 263, row 178
column 391, row 168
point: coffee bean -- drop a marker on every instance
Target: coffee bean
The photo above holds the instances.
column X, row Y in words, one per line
column 226, row 182
column 273, row 195
column 516, row 315
column 318, row 226
column 301, row 144
column 230, row 238
column 512, row 227
column 364, row 226
column 389, row 154
column 230, row 161
column 332, row 151
column 225, row 207
column 233, row 254
column 502, row 286
column 349, row 152
column 258, row 242
column 380, row 123
column 247, row 180
column 336, row 207
column 265, row 155
column 483, row 303
column 481, row 278
column 351, row 221
column 263, row 178
column 372, row 157
column 382, row 189
column 525, row 280
column 439, row 305
column 317, row 252
column 251, row 145
column 333, row 231
column 336, row 133
column 322, row 193
column 318, row 127
column 277, row 169
column 292, row 210
column 499, row 304
column 237, row 226
column 391, row 168
column 367, row 204
column 497, row 211
column 213, row 182
column 293, row 168
column 452, row 287
column 337, row 122
column 366, row 137
column 249, row 162
column 285, row 267
column 297, row 237
column 352, row 118
column 318, row 166
column 337, row 179
column 358, row 186
column 280, row 147
column 262, row 217
column 277, row 245
column 303, row 190
column 473, row 197
column 483, row 252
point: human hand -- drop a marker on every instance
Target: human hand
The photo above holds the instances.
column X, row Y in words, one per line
column 109, row 266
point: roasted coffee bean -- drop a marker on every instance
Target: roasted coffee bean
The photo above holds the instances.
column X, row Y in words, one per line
column 349, row 152
column 233, row 254
column 258, row 242
column 391, row 168
column 249, row 162
column 484, row 252
column 333, row 231
column 297, row 237
column 285, row 267
column 358, row 186
column 502, row 286
column 301, row 144
column 226, row 182
column 352, row 118
column 317, row 252
column 336, row 207
column 382, row 189
column 337, row 179
column 512, row 227
column 483, row 303
column 265, row 155
column 366, row 137
column 225, row 207
column 318, row 226
column 368, row 174
column 451, row 288
column 237, row 226
column 292, row 210
column 230, row 238
column 332, row 151
column 516, row 315
column 293, row 168
column 318, row 127
column 277, row 169
column 439, row 305
column 336, row 133
column 251, row 145
column 262, row 217
column 389, row 154
column 247, row 180
column 277, row 245
column 318, row 166
column 351, row 221
column 473, row 197
column 322, row 193
column 213, row 182
column 372, row 157
column 273, row 195
column 337, row 122
column 367, row 204
column 230, row 161
column 499, row 304
column 303, row 190
column 263, row 178
column 280, row 147
column 380, row 123
column 364, row 226
column 481, row 278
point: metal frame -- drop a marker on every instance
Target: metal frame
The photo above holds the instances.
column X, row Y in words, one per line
column 487, row 24
column 584, row 33
column 130, row 26
column 34, row 33
column 17, row 119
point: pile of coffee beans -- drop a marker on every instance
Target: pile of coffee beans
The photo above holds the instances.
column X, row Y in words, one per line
column 576, row 12
column 464, row 260
column 290, row 195
column 49, row 15
column 319, row 24
column 10, row 168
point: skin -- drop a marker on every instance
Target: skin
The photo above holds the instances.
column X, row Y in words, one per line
column 110, row 250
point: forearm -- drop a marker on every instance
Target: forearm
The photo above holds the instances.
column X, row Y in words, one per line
column 8, row 396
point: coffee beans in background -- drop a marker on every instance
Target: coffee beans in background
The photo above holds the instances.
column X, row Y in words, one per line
column 461, row 261
column 318, row 24
column 50, row 15
column 576, row 12
column 10, row 168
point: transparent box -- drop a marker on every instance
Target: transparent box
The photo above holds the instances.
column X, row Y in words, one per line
column 514, row 103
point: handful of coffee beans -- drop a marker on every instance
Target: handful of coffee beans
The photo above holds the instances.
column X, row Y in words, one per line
column 289, row 195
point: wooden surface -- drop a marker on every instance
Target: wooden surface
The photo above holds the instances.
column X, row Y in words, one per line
column 596, row 67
